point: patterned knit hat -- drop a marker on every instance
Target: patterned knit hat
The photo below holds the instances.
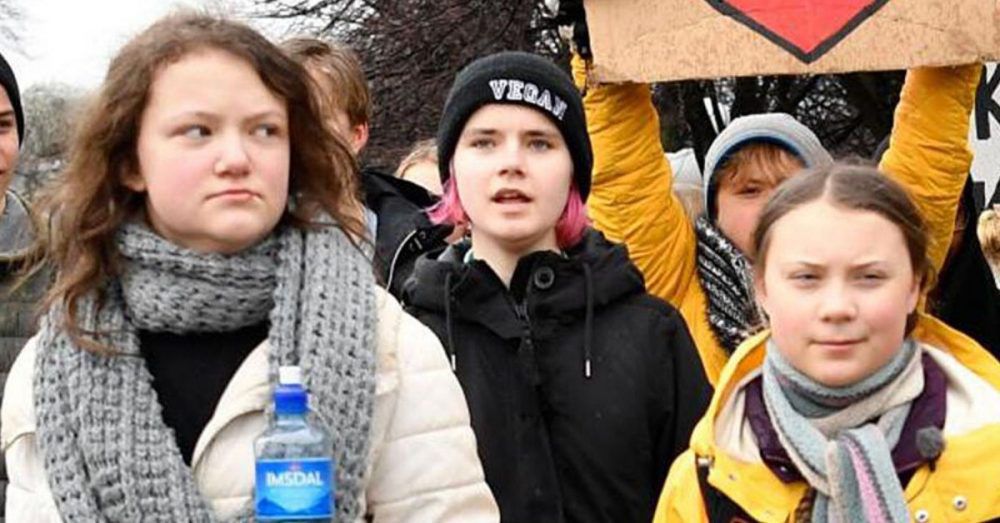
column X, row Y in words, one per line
column 776, row 128
column 9, row 83
column 523, row 79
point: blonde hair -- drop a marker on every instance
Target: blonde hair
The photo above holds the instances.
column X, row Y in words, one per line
column 692, row 198
column 988, row 231
column 771, row 161
column 422, row 151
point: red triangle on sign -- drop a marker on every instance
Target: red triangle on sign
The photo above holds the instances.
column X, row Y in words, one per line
column 805, row 28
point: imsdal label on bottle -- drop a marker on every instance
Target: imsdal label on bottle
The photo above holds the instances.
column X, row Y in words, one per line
column 294, row 488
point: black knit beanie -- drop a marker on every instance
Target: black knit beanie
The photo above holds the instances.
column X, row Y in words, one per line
column 523, row 79
column 9, row 83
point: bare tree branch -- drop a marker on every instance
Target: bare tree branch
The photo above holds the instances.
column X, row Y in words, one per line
column 411, row 50
column 11, row 21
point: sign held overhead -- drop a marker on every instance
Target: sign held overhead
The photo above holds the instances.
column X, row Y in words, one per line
column 661, row 40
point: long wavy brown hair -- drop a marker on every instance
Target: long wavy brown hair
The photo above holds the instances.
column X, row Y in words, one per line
column 90, row 201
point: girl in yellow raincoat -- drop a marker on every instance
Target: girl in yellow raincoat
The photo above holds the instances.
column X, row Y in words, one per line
column 854, row 406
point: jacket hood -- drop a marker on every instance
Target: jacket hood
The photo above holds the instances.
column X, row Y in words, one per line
column 749, row 357
column 548, row 290
column 379, row 185
column 480, row 296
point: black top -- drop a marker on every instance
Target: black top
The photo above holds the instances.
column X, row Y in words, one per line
column 191, row 371
column 966, row 296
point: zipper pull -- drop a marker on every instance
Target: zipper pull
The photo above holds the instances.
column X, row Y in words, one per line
column 521, row 309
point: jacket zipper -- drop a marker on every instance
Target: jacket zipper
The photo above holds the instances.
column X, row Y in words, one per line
column 527, row 360
column 395, row 257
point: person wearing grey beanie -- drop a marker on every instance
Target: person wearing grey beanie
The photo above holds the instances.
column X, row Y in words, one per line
column 744, row 165
column 703, row 265
column 779, row 131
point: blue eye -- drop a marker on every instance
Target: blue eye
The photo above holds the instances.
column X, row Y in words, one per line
column 540, row 145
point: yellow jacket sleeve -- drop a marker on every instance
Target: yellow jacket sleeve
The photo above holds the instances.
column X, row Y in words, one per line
column 631, row 199
column 928, row 149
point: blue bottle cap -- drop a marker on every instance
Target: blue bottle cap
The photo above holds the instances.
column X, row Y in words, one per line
column 291, row 399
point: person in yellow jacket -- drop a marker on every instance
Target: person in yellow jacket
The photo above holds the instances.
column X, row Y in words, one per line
column 853, row 406
column 631, row 200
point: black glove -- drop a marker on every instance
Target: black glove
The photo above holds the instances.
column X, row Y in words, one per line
column 571, row 13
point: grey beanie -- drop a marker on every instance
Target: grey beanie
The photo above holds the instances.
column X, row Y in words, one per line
column 780, row 129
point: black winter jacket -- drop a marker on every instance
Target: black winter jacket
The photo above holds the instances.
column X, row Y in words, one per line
column 403, row 231
column 581, row 386
column 966, row 296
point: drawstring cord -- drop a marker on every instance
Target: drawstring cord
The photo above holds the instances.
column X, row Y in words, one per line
column 450, row 349
column 589, row 320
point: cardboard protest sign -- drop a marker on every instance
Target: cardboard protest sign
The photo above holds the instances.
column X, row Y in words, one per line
column 984, row 136
column 659, row 40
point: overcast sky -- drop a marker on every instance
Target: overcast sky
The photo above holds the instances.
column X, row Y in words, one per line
column 71, row 41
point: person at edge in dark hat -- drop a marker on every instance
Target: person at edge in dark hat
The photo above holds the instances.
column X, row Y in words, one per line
column 18, row 229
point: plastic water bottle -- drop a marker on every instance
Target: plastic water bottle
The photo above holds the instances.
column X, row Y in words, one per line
column 295, row 468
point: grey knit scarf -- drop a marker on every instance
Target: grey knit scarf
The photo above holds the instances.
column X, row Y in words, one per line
column 727, row 279
column 107, row 453
column 841, row 438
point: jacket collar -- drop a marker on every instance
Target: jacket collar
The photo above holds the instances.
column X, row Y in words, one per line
column 552, row 287
column 927, row 410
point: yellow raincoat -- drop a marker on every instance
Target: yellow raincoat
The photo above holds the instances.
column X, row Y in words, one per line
column 962, row 487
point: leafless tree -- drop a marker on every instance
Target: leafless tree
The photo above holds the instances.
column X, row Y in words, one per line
column 11, row 18
column 50, row 111
column 850, row 113
column 412, row 49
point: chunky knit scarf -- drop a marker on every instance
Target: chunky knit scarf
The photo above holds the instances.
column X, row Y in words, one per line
column 727, row 279
column 108, row 454
column 841, row 438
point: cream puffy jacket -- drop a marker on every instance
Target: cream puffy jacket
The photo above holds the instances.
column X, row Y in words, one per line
column 422, row 466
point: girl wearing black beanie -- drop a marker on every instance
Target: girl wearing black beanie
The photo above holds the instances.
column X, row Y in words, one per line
column 582, row 387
